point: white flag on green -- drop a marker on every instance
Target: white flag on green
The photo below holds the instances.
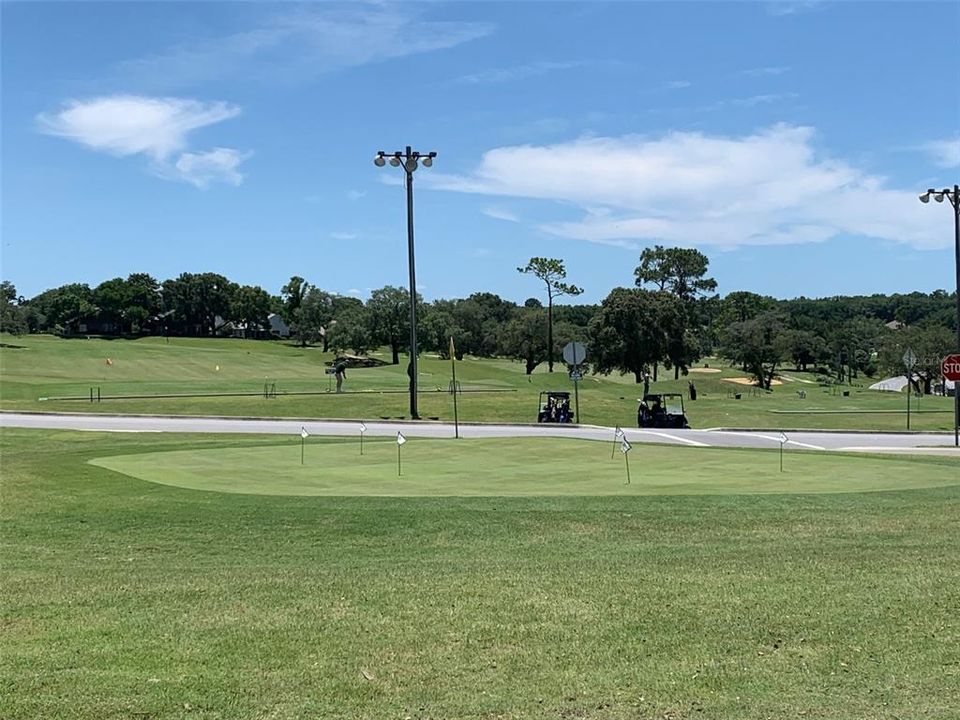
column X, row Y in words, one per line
column 400, row 438
column 618, row 433
column 363, row 428
column 625, row 446
column 303, row 432
column 783, row 438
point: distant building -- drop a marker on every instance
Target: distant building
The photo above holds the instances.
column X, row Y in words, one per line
column 895, row 325
column 278, row 327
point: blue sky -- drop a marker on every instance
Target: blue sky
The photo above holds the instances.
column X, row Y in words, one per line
column 786, row 140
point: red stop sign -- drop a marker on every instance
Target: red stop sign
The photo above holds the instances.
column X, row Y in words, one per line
column 950, row 367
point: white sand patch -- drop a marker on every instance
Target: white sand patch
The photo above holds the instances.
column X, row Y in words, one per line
column 749, row 381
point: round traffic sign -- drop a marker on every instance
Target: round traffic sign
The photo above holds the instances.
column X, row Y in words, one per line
column 574, row 353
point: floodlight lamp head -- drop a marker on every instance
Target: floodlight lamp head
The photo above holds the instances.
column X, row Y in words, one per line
column 410, row 165
column 938, row 197
column 379, row 161
column 428, row 161
column 395, row 161
column 925, row 198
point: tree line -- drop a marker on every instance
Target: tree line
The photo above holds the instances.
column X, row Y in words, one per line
column 668, row 319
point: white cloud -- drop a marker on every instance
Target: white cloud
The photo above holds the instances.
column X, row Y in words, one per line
column 125, row 125
column 356, row 194
column 130, row 124
column 217, row 165
column 945, row 153
column 770, row 187
column 303, row 43
column 500, row 214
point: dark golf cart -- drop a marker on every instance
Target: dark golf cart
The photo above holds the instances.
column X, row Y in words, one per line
column 555, row 408
column 662, row 411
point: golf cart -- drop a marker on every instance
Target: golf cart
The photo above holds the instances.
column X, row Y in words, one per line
column 555, row 408
column 662, row 411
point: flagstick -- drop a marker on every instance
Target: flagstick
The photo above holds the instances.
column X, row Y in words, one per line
column 302, row 439
column 398, row 459
column 781, row 457
column 361, row 442
column 626, row 457
column 613, row 450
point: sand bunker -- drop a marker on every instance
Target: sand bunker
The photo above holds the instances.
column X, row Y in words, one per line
column 704, row 370
column 749, row 381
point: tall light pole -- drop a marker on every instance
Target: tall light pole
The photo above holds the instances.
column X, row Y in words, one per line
column 954, row 197
column 410, row 160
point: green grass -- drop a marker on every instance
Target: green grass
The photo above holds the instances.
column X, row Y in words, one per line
column 33, row 367
column 129, row 599
column 512, row 467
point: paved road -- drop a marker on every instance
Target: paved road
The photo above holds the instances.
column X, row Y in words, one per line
column 941, row 443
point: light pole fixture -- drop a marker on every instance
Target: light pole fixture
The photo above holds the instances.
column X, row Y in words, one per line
column 954, row 197
column 410, row 160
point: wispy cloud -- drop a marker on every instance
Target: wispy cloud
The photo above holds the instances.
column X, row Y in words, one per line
column 945, row 153
column 303, row 43
column 754, row 100
column 125, row 125
column 356, row 194
column 500, row 214
column 790, row 7
column 343, row 236
column 678, row 84
column 217, row 165
column 765, row 71
column 518, row 72
column 770, row 187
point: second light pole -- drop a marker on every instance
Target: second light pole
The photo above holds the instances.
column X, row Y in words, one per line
column 954, row 197
column 410, row 160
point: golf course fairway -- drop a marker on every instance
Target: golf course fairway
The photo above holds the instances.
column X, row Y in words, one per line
column 515, row 467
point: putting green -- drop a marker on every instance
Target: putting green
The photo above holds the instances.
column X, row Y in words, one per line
column 501, row 467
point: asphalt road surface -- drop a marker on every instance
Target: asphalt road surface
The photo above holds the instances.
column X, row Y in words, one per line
column 926, row 443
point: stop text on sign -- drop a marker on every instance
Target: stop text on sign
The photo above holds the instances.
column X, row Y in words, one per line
column 950, row 367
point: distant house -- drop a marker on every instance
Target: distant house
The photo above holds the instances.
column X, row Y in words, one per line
column 278, row 328
column 895, row 325
column 159, row 324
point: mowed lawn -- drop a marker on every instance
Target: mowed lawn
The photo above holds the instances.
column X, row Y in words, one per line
column 35, row 367
column 130, row 599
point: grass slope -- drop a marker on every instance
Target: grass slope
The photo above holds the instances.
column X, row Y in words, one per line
column 513, row 467
column 126, row 599
column 42, row 366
